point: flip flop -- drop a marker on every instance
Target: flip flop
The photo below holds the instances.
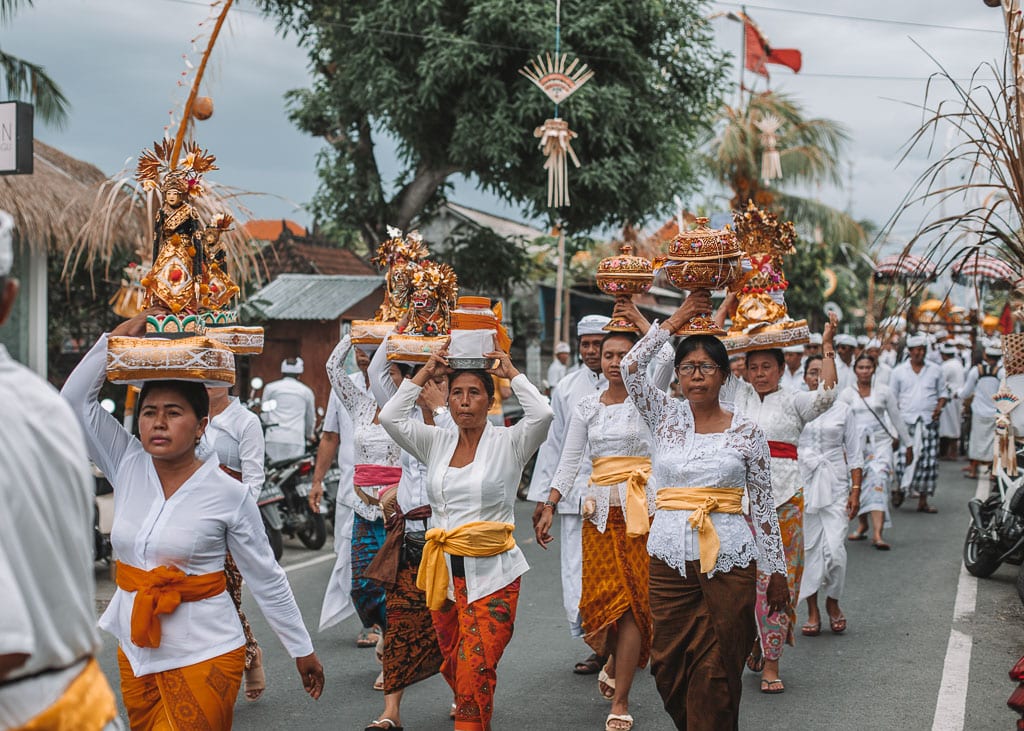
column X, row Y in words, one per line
column 378, row 684
column 837, row 624
column 897, row 498
column 881, row 545
column 857, row 537
column 378, row 724
column 618, row 722
column 755, row 660
column 604, row 681
column 368, row 637
column 768, row 686
column 811, row 630
column 255, row 678
column 589, row 666
column 929, row 509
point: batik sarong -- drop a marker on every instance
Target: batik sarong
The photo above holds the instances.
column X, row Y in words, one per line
column 926, row 459
column 703, row 630
column 615, row 581
column 411, row 650
column 367, row 595
column 776, row 628
column 234, row 579
column 199, row 696
column 473, row 637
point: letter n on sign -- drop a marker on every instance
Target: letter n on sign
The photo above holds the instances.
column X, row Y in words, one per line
column 15, row 138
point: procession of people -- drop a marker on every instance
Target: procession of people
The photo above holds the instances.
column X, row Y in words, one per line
column 704, row 489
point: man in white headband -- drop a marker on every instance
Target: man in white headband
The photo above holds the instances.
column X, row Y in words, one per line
column 813, row 346
column 980, row 387
column 48, row 639
column 292, row 421
column 559, row 367
column 845, row 347
column 920, row 392
column 793, row 371
column 954, row 373
column 883, row 371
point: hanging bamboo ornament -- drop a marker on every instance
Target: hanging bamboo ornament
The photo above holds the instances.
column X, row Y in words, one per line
column 771, row 162
column 556, row 144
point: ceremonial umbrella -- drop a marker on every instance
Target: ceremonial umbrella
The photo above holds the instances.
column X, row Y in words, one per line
column 984, row 271
column 904, row 268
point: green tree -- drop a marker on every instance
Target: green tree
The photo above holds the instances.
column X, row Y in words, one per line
column 23, row 79
column 440, row 79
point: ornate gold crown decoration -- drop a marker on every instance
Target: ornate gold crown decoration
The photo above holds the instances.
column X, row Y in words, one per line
column 624, row 275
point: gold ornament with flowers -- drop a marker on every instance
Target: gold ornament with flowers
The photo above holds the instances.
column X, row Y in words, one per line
column 765, row 240
column 624, row 276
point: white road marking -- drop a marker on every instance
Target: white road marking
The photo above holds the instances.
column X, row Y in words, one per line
column 951, row 705
column 308, row 562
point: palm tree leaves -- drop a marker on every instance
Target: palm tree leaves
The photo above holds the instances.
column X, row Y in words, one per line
column 26, row 80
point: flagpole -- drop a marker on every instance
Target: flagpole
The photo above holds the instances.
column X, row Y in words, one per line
column 743, row 48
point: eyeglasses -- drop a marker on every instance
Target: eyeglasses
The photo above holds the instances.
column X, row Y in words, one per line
column 688, row 369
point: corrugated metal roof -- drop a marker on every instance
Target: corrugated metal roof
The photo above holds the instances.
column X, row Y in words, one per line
column 309, row 296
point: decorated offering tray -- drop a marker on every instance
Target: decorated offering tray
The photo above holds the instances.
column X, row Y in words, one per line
column 368, row 334
column 776, row 335
column 239, row 339
column 132, row 360
column 414, row 349
column 181, row 325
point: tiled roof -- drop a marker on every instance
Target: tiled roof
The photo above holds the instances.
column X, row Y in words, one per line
column 310, row 296
column 270, row 229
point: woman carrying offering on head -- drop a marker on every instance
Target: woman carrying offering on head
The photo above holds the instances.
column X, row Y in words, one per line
column 704, row 556
column 471, row 566
column 617, row 504
column 181, row 646
column 877, row 414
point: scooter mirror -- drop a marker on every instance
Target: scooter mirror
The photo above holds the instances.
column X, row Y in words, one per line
column 256, row 384
column 108, row 405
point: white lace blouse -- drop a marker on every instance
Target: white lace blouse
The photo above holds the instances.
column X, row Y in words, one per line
column 737, row 457
column 371, row 444
column 597, row 430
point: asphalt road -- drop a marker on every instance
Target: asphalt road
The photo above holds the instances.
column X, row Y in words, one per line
column 885, row 672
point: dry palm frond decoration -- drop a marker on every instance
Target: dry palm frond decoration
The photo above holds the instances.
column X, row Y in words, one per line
column 771, row 161
column 558, row 79
column 971, row 199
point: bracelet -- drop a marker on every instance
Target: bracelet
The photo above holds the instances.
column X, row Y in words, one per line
column 830, row 354
column 855, row 487
column 550, row 504
column 439, row 410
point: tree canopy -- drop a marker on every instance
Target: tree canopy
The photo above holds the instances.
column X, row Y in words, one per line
column 441, row 79
column 23, row 79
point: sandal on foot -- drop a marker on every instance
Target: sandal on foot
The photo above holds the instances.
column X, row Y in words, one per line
column 591, row 665
column 930, row 509
column 772, row 687
column 378, row 684
column 618, row 722
column 897, row 498
column 255, row 678
column 755, row 660
column 811, row 630
column 837, row 624
column 606, row 685
column 451, row 713
column 383, row 723
column 857, row 536
column 368, row 636
column 881, row 545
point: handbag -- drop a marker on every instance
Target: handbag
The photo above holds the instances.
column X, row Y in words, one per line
column 412, row 547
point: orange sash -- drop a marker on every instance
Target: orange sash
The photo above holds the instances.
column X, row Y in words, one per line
column 160, row 591
column 703, row 501
column 635, row 472
column 478, row 539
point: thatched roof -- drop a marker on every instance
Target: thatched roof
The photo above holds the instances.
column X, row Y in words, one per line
column 50, row 205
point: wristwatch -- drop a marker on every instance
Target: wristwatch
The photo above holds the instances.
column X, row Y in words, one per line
column 439, row 410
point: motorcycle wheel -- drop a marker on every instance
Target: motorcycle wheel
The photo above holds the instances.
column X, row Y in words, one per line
column 276, row 541
column 979, row 561
column 314, row 533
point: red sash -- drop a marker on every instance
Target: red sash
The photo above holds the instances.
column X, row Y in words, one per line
column 782, row 450
column 372, row 475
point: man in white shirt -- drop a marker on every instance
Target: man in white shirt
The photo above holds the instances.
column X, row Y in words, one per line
column 294, row 416
column 883, row 371
column 980, row 386
column 845, row 346
column 890, row 351
column 793, row 371
column 813, row 346
column 559, row 367
column 48, row 636
column 920, row 392
column 949, row 420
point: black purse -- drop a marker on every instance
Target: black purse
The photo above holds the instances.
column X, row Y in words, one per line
column 412, row 547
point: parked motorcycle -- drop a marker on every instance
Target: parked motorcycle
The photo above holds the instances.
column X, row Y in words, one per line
column 996, row 532
column 293, row 478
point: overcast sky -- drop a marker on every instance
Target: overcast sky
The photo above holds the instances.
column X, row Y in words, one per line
column 118, row 60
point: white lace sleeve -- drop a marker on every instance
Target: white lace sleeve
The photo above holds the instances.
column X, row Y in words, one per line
column 573, row 449
column 360, row 407
column 651, row 402
column 763, row 516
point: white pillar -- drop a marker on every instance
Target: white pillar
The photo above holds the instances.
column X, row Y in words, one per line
column 35, row 294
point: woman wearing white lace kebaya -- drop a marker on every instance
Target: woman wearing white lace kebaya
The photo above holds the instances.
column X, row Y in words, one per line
column 377, row 470
column 617, row 503
column 704, row 556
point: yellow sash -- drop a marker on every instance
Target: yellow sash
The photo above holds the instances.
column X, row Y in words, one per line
column 635, row 471
column 86, row 705
column 703, row 501
column 478, row 539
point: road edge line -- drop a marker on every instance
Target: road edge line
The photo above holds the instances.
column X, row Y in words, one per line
column 308, row 562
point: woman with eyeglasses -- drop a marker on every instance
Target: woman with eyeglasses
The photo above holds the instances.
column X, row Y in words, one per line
column 704, row 556
column 617, row 503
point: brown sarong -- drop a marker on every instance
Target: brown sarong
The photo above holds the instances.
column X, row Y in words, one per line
column 411, row 652
column 703, row 630
column 615, row 581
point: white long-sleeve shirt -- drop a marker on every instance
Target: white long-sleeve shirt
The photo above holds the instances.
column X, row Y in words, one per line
column 236, row 437
column 293, row 418
column 209, row 515
column 982, row 388
column 47, row 610
column 483, row 490
column 917, row 394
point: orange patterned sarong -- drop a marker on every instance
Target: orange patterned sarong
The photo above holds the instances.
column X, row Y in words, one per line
column 615, row 581
column 200, row 696
column 473, row 637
